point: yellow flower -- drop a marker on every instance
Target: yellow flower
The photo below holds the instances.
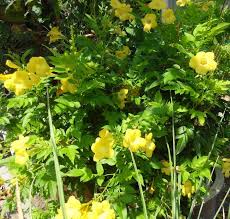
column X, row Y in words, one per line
column 19, row 82
column 54, row 34
column 103, row 145
column 19, row 147
column 187, row 189
column 4, row 77
column 149, row 22
column 115, row 4
column 133, row 140
column 149, row 146
column 24, row 79
column 205, row 7
column 68, row 86
column 10, row 64
column 166, row 169
column 123, row 12
column 122, row 95
column 39, row 66
column 203, row 62
column 21, row 157
column 226, row 167
column 157, row 4
column 101, row 210
column 168, row 16
column 182, row 3
column 19, row 144
column 72, row 209
column 123, row 53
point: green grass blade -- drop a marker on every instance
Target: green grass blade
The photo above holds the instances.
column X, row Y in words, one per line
column 140, row 187
column 56, row 162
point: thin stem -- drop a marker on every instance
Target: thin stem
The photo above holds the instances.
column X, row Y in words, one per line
column 194, row 200
column 222, row 203
column 174, row 206
column 139, row 185
column 171, row 174
column 209, row 181
column 56, row 162
column 30, row 197
column 18, row 201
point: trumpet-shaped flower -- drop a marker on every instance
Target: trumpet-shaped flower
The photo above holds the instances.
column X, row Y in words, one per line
column 24, row 79
column 103, row 145
column 10, row 64
column 122, row 95
column 68, row 86
column 149, row 146
column 21, row 157
column 101, row 210
column 72, row 209
column 182, row 3
column 115, row 4
column 226, row 167
column 206, row 5
column 19, row 148
column 187, row 189
column 133, row 140
column 167, row 167
column 20, row 144
column 168, row 16
column 157, row 4
column 203, row 62
column 122, row 11
column 54, row 34
column 39, row 66
column 149, row 22
column 123, row 53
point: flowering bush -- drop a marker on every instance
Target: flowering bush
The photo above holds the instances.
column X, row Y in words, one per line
column 138, row 112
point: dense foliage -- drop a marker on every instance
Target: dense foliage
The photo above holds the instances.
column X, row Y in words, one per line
column 128, row 84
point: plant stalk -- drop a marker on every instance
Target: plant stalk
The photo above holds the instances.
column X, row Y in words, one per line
column 56, row 162
column 140, row 187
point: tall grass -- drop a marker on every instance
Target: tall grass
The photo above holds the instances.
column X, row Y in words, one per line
column 56, row 162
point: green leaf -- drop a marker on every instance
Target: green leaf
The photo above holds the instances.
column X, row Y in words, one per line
column 205, row 173
column 188, row 37
column 198, row 114
column 172, row 74
column 185, row 176
column 100, row 180
column 183, row 134
column 70, row 152
column 198, row 163
column 99, row 168
column 182, row 50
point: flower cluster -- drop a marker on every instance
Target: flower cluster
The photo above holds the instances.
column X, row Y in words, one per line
column 122, row 10
column 182, row 3
column 203, row 62
column 75, row 210
column 226, row 167
column 24, row 79
column 19, row 148
column 187, row 189
column 54, row 34
column 135, row 142
column 103, row 145
column 122, row 95
column 123, row 53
